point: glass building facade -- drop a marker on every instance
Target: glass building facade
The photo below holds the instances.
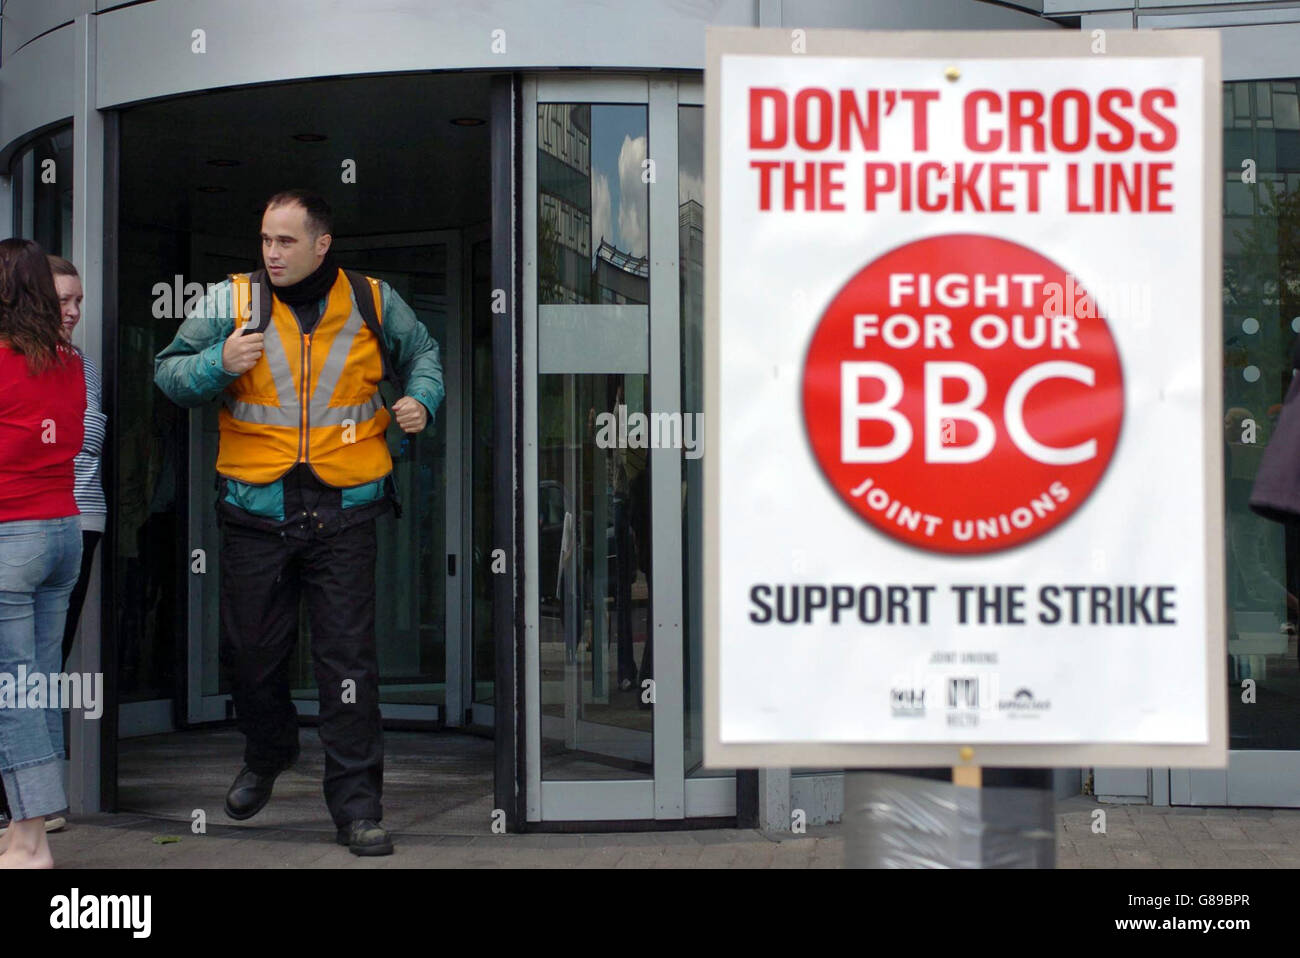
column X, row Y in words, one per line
column 546, row 223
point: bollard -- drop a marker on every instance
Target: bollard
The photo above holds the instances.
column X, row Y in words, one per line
column 918, row 818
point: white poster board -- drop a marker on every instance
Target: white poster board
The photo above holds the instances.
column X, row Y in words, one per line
column 963, row 377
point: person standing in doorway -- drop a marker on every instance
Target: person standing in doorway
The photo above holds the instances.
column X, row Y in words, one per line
column 88, row 488
column 297, row 353
column 42, row 406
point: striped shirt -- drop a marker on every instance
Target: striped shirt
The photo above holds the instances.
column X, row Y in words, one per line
column 87, row 488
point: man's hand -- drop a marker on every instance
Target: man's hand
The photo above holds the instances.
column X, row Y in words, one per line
column 241, row 351
column 410, row 414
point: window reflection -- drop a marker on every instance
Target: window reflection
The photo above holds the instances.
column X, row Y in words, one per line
column 1261, row 318
column 593, row 495
column 42, row 181
column 592, row 204
column 595, row 589
column 690, row 237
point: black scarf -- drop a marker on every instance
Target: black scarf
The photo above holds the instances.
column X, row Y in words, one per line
column 313, row 287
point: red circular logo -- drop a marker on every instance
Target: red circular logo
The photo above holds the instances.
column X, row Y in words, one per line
column 963, row 394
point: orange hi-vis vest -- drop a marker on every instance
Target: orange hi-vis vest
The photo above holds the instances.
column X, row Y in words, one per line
column 310, row 398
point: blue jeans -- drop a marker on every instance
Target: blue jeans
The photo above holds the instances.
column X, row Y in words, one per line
column 39, row 563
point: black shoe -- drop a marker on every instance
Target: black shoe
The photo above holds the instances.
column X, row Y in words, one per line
column 250, row 791
column 365, row 837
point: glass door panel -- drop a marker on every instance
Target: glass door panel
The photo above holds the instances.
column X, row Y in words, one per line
column 690, row 194
column 608, row 517
column 706, row 789
column 593, row 525
column 594, row 552
column 1261, row 321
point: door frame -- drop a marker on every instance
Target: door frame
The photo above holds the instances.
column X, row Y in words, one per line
column 480, row 714
column 201, row 708
column 668, row 795
column 510, row 785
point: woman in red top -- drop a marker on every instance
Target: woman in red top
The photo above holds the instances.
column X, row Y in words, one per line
column 42, row 405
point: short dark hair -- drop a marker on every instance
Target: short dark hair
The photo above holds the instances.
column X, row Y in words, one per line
column 320, row 218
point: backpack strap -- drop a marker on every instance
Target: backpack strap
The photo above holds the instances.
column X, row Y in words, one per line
column 366, row 292
column 257, row 281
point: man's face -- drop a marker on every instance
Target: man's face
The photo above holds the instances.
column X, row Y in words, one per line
column 70, row 296
column 289, row 250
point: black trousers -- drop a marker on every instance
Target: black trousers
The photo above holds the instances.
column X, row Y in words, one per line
column 263, row 575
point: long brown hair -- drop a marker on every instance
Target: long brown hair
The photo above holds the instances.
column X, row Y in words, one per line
column 29, row 306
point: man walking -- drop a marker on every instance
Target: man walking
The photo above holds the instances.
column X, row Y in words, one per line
column 303, row 471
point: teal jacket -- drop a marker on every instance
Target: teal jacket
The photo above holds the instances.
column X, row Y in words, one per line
column 190, row 372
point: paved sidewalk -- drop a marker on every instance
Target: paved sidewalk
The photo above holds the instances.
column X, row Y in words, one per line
column 1141, row 836
column 122, row 841
column 1135, row 836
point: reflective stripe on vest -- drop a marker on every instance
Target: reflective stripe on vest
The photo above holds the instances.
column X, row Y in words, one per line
column 264, row 429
